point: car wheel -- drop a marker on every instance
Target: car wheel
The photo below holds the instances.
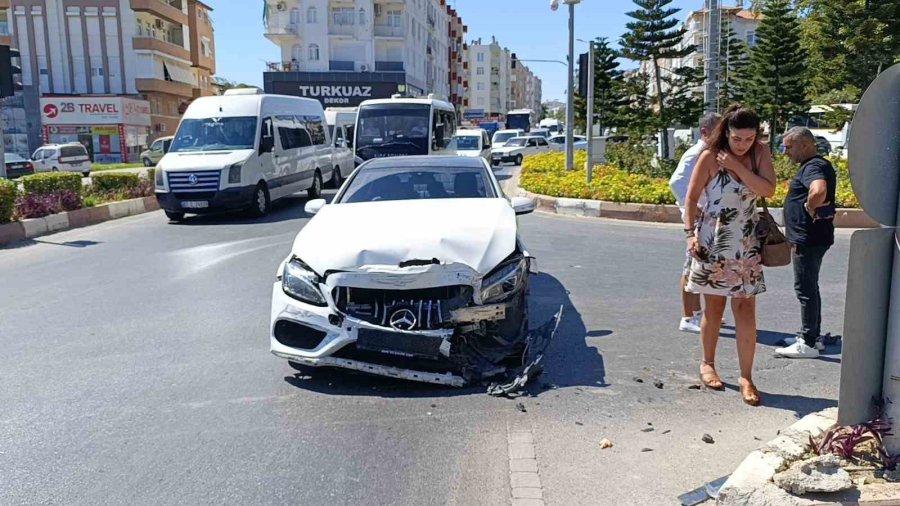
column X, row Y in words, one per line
column 86, row 173
column 518, row 159
column 54, row 169
column 174, row 216
column 315, row 191
column 336, row 178
column 147, row 162
column 261, row 204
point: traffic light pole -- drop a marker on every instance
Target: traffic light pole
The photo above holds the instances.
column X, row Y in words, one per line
column 589, row 119
column 2, row 144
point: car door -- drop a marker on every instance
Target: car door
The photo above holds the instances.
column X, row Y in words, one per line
column 269, row 148
column 287, row 157
column 37, row 160
column 531, row 148
column 542, row 145
column 485, row 146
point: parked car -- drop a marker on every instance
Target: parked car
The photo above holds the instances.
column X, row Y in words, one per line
column 558, row 142
column 500, row 137
column 244, row 150
column 17, row 166
column 62, row 158
column 342, row 157
column 414, row 271
column 471, row 143
column 156, row 151
column 517, row 148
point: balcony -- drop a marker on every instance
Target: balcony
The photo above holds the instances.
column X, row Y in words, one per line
column 277, row 31
column 167, row 48
column 162, row 86
column 161, row 9
column 389, row 66
column 343, row 30
column 390, row 31
column 341, row 66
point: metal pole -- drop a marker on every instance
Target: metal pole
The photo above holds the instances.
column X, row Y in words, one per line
column 2, row 142
column 570, row 106
column 589, row 120
column 711, row 52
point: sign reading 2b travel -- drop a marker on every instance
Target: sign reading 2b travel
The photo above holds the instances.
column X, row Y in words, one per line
column 334, row 93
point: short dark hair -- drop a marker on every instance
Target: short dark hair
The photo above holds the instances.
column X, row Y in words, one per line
column 737, row 118
column 709, row 121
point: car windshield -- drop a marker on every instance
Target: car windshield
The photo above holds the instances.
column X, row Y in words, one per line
column 215, row 134
column 500, row 138
column 393, row 129
column 518, row 141
column 416, row 183
column 464, row 143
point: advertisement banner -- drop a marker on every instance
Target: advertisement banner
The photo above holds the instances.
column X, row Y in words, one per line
column 94, row 111
column 335, row 93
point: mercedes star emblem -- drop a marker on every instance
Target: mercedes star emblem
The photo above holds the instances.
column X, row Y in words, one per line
column 193, row 179
column 403, row 319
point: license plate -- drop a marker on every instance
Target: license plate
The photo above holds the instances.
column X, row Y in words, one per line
column 195, row 205
column 399, row 343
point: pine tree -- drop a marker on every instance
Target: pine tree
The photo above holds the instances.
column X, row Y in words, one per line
column 685, row 101
column 733, row 62
column 776, row 77
column 636, row 112
column 608, row 88
column 653, row 37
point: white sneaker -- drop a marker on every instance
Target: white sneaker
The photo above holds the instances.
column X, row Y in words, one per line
column 797, row 350
column 691, row 325
column 791, row 340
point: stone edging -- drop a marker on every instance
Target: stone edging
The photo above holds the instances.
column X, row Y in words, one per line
column 846, row 218
column 35, row 227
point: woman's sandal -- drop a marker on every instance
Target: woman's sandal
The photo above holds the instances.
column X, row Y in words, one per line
column 749, row 393
column 710, row 379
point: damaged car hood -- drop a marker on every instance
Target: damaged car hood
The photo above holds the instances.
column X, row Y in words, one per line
column 479, row 233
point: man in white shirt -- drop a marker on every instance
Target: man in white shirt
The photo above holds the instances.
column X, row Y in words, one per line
column 690, row 321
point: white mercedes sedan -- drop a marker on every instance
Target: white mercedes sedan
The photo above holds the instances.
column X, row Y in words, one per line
column 414, row 271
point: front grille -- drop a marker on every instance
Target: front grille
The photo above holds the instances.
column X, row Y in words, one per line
column 296, row 335
column 195, row 181
column 430, row 307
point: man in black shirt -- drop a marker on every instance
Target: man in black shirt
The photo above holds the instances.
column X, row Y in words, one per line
column 809, row 223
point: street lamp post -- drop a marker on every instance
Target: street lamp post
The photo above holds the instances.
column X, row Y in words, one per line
column 590, row 113
column 570, row 101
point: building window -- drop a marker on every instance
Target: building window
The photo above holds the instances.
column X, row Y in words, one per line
column 204, row 46
column 311, row 16
column 342, row 16
column 97, row 71
column 479, row 86
column 480, row 57
column 479, row 71
column 313, row 52
column 751, row 39
column 393, row 18
column 480, row 100
column 362, row 17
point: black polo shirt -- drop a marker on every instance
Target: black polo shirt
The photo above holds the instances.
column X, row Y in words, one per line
column 800, row 227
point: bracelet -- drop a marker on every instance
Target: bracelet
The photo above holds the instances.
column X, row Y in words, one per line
column 689, row 232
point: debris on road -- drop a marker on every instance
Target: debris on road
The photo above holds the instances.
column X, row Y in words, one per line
column 648, row 429
column 605, row 443
column 579, row 423
column 658, row 384
column 521, row 407
column 666, row 432
column 536, row 344
column 708, row 439
column 637, row 380
column 818, row 474
column 694, row 387
column 645, row 450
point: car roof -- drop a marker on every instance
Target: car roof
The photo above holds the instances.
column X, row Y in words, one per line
column 425, row 161
column 528, row 137
column 470, row 131
column 61, row 145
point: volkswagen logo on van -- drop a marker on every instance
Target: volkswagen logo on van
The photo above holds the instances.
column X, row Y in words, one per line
column 193, row 179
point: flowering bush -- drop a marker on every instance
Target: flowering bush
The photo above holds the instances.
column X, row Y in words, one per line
column 32, row 205
column 8, row 191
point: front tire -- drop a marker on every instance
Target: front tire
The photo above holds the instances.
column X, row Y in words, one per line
column 315, row 191
column 54, row 169
column 336, row 178
column 86, row 174
column 518, row 159
column 261, row 204
column 147, row 162
column 174, row 216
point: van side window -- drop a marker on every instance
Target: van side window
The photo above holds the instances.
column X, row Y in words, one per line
column 315, row 129
column 292, row 133
column 69, row 151
column 265, row 139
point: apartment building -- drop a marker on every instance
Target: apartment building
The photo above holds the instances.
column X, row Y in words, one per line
column 458, row 62
column 130, row 68
column 744, row 22
column 342, row 52
column 495, row 87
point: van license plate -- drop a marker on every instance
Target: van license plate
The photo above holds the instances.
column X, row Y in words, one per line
column 195, row 204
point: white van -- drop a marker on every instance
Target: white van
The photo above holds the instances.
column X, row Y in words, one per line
column 472, row 143
column 501, row 136
column 62, row 158
column 244, row 150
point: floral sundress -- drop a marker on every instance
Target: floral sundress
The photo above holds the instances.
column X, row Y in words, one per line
column 730, row 261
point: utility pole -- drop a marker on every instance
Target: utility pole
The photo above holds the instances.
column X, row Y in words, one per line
column 711, row 52
column 589, row 120
column 570, row 91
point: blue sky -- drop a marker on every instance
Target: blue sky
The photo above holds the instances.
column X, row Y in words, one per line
column 527, row 27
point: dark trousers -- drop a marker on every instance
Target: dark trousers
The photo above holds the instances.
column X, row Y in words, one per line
column 807, row 261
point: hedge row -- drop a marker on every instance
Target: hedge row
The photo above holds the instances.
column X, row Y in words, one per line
column 8, row 191
column 51, row 182
column 103, row 183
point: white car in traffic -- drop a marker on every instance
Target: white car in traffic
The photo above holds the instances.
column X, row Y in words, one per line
column 414, row 271
column 558, row 142
column 472, row 143
column 516, row 149
column 500, row 137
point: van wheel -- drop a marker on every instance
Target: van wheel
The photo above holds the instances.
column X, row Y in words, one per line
column 54, row 169
column 147, row 162
column 315, row 191
column 262, row 203
column 86, row 174
column 336, row 178
column 518, row 159
column 174, row 216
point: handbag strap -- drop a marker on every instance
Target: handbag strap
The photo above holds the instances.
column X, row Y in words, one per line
column 755, row 168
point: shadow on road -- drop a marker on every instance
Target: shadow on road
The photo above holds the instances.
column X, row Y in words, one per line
column 569, row 361
column 284, row 209
column 800, row 405
column 775, row 339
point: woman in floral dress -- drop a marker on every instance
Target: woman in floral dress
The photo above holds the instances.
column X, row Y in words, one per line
column 722, row 240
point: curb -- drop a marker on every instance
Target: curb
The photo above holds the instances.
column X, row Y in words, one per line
column 662, row 213
column 751, row 483
column 36, row 227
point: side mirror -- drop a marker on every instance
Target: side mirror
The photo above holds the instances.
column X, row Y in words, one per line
column 314, row 206
column 522, row 205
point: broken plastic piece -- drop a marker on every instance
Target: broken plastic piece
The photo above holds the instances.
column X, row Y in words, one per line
column 536, row 344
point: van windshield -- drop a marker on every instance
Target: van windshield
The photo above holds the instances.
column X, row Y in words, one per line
column 393, row 130
column 215, row 134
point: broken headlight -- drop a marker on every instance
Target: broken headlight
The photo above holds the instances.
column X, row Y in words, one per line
column 504, row 280
column 301, row 283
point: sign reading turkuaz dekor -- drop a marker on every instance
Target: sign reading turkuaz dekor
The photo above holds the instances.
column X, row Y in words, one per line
column 336, row 94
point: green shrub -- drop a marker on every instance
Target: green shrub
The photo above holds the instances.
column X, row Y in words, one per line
column 103, row 183
column 635, row 158
column 53, row 182
column 151, row 175
column 8, row 191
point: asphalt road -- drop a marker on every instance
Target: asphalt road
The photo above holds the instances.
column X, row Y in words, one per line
column 136, row 371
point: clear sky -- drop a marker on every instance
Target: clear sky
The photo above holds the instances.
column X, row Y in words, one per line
column 527, row 27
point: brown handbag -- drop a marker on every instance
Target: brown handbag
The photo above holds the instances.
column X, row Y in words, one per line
column 776, row 251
